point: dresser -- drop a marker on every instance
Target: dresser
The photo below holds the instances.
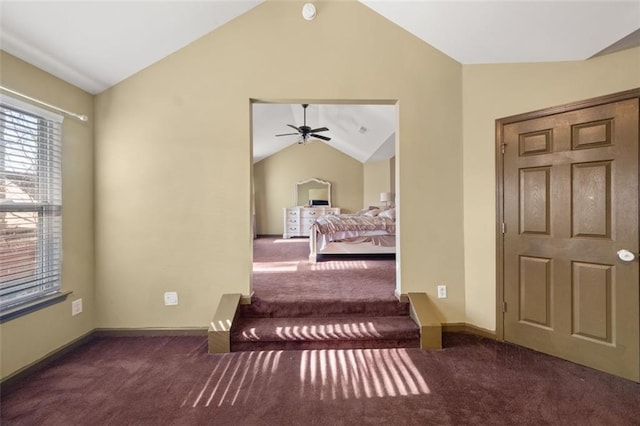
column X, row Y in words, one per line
column 298, row 220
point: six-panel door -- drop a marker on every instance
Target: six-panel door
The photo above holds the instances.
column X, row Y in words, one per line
column 570, row 204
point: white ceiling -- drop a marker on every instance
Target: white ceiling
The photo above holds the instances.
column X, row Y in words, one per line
column 480, row 31
column 96, row 44
column 364, row 132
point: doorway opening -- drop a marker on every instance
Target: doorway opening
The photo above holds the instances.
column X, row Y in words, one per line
column 359, row 163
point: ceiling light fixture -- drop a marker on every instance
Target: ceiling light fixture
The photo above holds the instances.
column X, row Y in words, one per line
column 308, row 11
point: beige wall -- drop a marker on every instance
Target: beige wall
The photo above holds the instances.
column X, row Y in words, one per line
column 275, row 178
column 174, row 167
column 377, row 179
column 497, row 91
column 26, row 339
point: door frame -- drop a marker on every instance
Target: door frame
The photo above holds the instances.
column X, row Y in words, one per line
column 395, row 102
column 500, row 123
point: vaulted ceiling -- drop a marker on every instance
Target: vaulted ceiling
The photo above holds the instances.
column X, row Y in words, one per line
column 96, row 44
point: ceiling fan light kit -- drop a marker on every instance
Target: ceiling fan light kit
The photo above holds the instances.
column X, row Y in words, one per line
column 308, row 11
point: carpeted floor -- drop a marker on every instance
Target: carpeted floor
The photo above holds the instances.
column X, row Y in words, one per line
column 285, row 284
column 338, row 303
column 282, row 272
column 173, row 381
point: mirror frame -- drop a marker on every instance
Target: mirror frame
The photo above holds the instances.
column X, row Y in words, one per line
column 319, row 182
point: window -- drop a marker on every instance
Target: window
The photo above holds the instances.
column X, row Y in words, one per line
column 30, row 204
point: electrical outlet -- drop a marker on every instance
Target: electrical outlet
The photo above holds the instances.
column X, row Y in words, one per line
column 170, row 298
column 76, row 307
column 442, row 292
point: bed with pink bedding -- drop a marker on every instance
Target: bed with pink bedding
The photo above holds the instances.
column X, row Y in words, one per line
column 370, row 231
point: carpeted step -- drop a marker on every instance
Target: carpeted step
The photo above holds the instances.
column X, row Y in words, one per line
column 260, row 308
column 250, row 334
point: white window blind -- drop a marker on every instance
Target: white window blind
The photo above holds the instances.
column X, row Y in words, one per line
column 30, row 203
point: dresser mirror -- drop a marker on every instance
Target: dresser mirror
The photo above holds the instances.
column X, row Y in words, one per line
column 313, row 192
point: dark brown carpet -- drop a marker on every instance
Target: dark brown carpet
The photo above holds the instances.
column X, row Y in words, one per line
column 173, row 381
column 339, row 303
column 324, row 333
column 282, row 272
column 287, row 285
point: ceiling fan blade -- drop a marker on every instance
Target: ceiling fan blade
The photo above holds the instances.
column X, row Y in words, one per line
column 319, row 129
column 293, row 127
column 288, row 134
column 324, row 138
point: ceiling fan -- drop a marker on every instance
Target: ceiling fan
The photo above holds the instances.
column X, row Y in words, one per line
column 305, row 131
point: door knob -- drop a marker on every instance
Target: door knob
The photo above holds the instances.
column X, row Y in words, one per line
column 626, row 255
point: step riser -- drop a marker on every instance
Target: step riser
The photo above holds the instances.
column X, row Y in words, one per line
column 263, row 325
column 346, row 332
column 339, row 344
column 259, row 309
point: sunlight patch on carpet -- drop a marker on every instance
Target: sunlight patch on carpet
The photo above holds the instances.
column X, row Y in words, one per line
column 275, row 266
column 317, row 333
column 291, row 241
column 343, row 265
column 328, row 332
column 227, row 383
column 248, row 378
column 359, row 373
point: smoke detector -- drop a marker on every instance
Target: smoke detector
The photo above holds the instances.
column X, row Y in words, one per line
column 308, row 11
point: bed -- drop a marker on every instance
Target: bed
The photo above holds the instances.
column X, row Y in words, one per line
column 370, row 231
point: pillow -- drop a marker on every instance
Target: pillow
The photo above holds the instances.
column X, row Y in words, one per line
column 365, row 210
column 372, row 212
column 389, row 213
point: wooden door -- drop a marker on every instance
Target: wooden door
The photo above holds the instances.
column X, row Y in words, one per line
column 570, row 200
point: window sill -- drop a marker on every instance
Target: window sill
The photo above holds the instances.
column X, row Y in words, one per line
column 27, row 308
